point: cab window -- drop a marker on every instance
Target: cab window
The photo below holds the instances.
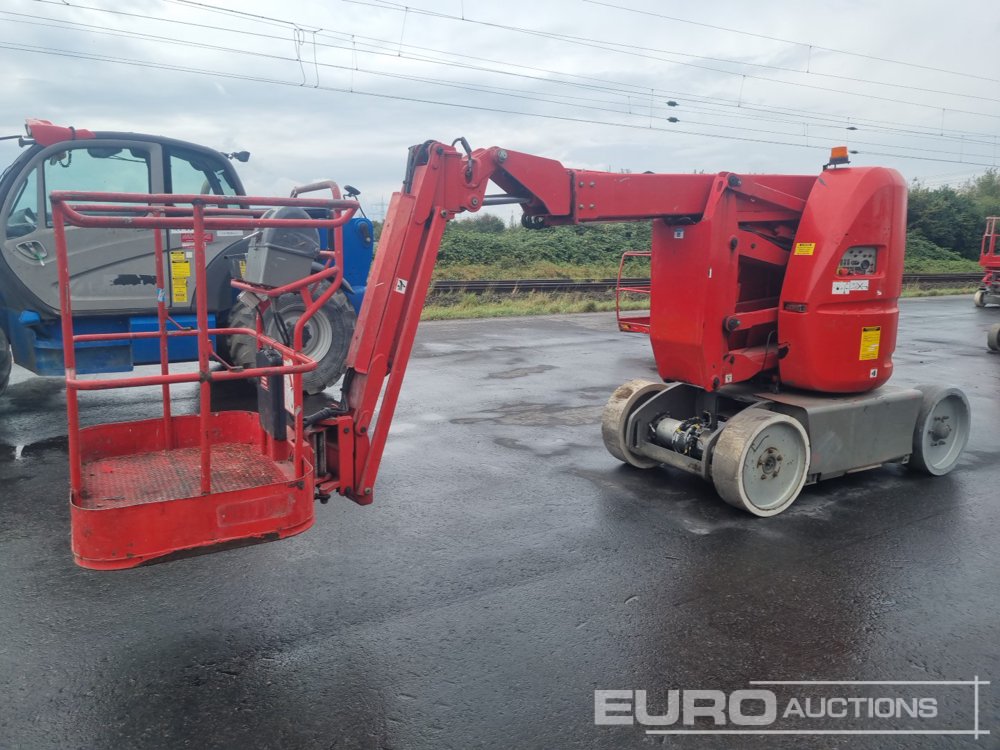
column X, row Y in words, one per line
column 197, row 174
column 105, row 169
column 23, row 217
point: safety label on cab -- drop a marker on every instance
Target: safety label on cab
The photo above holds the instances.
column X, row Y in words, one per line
column 870, row 338
column 805, row 248
column 180, row 272
column 188, row 238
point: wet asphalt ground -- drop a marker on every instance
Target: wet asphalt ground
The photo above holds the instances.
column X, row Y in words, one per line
column 508, row 568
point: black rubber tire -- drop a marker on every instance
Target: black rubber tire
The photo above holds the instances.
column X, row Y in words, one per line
column 334, row 323
column 614, row 420
column 6, row 361
column 993, row 338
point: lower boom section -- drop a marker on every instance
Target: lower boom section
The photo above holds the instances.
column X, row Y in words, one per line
column 761, row 449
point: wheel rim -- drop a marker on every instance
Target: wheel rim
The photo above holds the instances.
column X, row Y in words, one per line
column 761, row 462
column 772, row 466
column 317, row 336
column 944, row 433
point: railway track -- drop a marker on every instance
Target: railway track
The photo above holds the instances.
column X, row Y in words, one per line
column 512, row 286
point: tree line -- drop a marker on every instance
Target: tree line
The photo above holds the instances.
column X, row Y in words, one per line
column 950, row 221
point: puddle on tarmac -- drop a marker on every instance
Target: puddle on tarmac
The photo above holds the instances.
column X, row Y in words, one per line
column 542, row 448
column 537, row 415
column 520, row 372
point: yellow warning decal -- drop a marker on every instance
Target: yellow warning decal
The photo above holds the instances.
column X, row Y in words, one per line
column 179, row 289
column 180, row 266
column 870, row 338
column 805, row 248
column 180, row 272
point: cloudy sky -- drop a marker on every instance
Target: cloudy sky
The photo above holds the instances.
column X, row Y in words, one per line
column 338, row 89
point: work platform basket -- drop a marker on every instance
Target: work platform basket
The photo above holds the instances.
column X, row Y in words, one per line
column 175, row 485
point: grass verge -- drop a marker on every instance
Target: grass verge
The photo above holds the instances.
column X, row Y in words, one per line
column 457, row 306
column 537, row 270
column 914, row 290
column 467, row 305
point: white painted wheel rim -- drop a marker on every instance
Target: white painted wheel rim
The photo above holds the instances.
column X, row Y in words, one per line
column 945, row 433
column 761, row 462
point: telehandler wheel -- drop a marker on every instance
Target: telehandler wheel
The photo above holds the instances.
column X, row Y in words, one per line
column 623, row 402
column 942, row 429
column 6, row 361
column 993, row 338
column 326, row 338
column 979, row 298
column 761, row 461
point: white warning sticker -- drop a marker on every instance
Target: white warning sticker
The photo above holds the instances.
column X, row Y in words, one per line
column 854, row 285
column 288, row 385
column 400, row 286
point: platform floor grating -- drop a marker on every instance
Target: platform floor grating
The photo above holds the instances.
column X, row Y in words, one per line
column 169, row 475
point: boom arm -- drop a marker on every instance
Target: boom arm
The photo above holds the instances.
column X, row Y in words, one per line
column 721, row 247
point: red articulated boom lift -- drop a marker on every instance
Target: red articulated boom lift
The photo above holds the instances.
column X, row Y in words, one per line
column 773, row 321
column 989, row 291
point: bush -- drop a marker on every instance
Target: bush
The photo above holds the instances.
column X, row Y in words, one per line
column 514, row 247
column 923, row 256
column 952, row 218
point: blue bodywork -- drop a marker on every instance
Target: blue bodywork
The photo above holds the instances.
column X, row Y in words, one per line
column 38, row 345
column 358, row 251
column 37, row 342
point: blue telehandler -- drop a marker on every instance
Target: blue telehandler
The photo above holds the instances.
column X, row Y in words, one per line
column 112, row 286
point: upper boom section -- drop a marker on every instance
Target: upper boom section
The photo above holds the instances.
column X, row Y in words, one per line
column 550, row 194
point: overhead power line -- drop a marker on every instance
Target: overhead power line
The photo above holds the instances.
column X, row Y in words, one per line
column 643, row 52
column 640, row 111
column 632, row 49
column 397, row 97
column 620, row 88
column 648, row 107
column 810, row 45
